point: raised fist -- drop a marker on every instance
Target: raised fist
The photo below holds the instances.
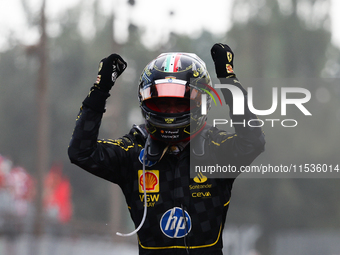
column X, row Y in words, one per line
column 110, row 69
column 223, row 58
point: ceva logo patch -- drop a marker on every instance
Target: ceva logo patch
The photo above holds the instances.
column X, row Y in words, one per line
column 175, row 223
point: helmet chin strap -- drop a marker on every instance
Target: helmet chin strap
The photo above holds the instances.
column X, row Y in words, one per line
column 156, row 149
column 147, row 143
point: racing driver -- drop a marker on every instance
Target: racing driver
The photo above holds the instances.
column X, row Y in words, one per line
column 175, row 210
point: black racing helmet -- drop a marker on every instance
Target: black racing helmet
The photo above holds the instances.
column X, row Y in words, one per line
column 175, row 75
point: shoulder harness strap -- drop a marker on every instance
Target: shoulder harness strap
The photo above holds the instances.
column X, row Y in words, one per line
column 198, row 143
column 141, row 129
column 155, row 148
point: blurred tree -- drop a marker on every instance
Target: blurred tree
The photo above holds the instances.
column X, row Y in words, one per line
column 43, row 121
column 278, row 44
column 275, row 38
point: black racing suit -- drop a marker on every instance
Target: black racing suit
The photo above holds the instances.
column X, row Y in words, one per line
column 175, row 201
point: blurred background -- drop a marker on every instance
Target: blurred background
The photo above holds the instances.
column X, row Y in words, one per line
column 49, row 54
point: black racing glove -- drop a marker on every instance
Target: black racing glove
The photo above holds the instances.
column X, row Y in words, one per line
column 223, row 58
column 110, row 69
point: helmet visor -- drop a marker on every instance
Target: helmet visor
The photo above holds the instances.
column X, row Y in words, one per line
column 164, row 88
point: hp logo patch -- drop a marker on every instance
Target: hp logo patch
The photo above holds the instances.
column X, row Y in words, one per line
column 174, row 225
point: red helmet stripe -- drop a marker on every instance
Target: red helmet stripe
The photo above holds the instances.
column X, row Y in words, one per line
column 177, row 58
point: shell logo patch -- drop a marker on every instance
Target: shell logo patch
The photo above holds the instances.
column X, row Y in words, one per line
column 229, row 68
column 151, row 181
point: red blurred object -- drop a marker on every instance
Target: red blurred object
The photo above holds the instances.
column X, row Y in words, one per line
column 57, row 197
